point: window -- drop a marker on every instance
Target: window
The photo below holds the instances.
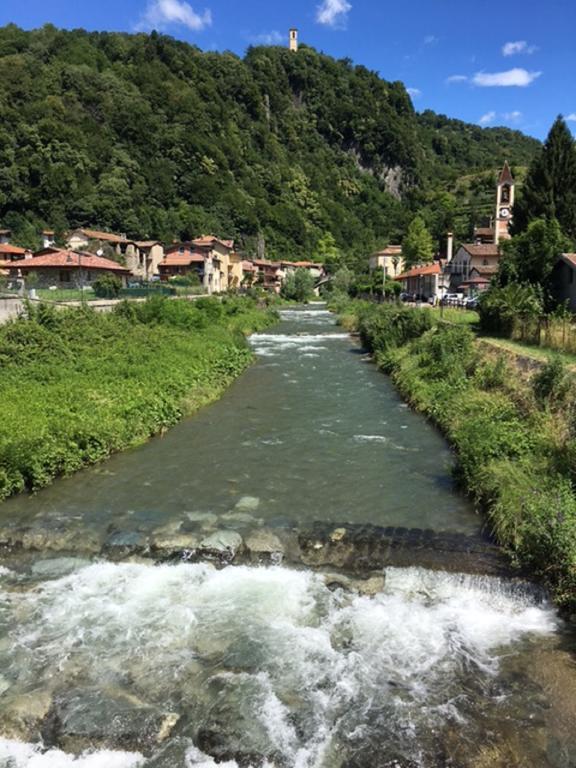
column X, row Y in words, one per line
column 65, row 276
column 485, row 262
column 506, row 194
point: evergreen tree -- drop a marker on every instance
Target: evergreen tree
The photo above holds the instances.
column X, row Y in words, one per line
column 418, row 246
column 550, row 188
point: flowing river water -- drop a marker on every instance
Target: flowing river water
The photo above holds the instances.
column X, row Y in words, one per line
column 334, row 647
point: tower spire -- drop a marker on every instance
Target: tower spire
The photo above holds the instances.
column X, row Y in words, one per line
column 294, row 40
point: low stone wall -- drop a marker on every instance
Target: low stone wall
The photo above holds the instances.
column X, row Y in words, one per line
column 10, row 308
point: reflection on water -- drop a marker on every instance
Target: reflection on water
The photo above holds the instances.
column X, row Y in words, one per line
column 312, row 430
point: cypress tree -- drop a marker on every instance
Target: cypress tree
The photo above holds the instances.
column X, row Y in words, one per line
column 550, row 188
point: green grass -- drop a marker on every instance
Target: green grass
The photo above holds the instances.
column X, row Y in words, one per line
column 542, row 354
column 65, row 294
column 76, row 386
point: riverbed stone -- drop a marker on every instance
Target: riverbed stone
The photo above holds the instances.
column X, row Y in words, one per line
column 22, row 716
column 49, row 538
column 57, row 567
column 4, row 685
column 205, row 520
column 170, row 545
column 223, row 545
column 82, row 720
column 264, row 545
column 247, row 504
column 121, row 544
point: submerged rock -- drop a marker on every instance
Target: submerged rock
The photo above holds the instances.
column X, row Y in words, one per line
column 204, row 520
column 264, row 545
column 57, row 567
column 247, row 504
column 369, row 587
column 4, row 685
column 122, row 544
column 22, row 717
column 170, row 545
column 223, row 545
column 82, row 720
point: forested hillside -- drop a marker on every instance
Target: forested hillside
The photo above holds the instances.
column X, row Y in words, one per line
column 147, row 135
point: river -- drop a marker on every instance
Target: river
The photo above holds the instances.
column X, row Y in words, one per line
column 111, row 658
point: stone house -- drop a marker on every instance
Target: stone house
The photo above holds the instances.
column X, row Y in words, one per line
column 5, row 235
column 67, row 269
column 389, row 259
column 483, row 258
column 141, row 257
column 182, row 260
column 13, row 252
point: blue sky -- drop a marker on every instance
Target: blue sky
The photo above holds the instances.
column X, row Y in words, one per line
column 485, row 61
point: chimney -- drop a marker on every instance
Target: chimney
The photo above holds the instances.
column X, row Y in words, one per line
column 294, row 40
column 450, row 247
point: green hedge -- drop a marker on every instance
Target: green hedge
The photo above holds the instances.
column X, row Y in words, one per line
column 76, row 386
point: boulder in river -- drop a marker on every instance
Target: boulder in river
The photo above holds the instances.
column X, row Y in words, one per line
column 264, row 546
column 247, row 504
column 81, row 720
column 222, row 545
column 170, row 545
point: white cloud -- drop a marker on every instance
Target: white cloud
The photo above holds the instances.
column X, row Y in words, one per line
column 269, row 38
column 430, row 40
column 414, row 92
column 456, row 79
column 571, row 118
column 160, row 14
column 513, row 77
column 520, row 46
column 513, row 117
column 488, row 118
column 333, row 13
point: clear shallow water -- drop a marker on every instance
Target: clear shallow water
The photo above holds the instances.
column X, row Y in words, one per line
column 312, row 431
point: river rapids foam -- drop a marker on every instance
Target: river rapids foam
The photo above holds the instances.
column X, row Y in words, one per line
column 304, row 670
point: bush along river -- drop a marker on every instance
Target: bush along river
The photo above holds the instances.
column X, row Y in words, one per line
column 286, row 580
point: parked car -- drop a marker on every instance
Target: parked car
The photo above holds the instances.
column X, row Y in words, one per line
column 404, row 296
column 471, row 302
column 453, row 299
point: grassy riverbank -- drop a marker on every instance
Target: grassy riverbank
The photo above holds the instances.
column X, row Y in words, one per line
column 76, row 386
column 514, row 433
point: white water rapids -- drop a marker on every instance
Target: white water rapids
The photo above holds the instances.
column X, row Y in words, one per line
column 271, row 659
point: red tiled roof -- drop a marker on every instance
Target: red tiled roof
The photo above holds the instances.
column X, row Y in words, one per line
column 70, row 260
column 476, row 281
column 208, row 240
column 96, row 234
column 13, row 249
column 247, row 266
column 182, row 259
column 484, row 231
column 485, row 249
column 426, row 269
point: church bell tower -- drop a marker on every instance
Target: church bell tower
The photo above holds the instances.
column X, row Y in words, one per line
column 294, row 40
column 504, row 204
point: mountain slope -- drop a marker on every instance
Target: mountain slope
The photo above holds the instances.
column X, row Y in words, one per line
column 150, row 136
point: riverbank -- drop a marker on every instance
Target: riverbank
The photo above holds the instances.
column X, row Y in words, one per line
column 77, row 386
column 512, row 430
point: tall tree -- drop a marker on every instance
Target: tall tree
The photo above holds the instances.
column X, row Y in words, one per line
column 417, row 246
column 550, row 188
column 530, row 257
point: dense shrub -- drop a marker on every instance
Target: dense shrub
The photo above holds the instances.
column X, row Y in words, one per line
column 384, row 327
column 107, row 286
column 501, row 308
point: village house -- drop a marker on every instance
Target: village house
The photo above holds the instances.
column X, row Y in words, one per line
column 13, row 252
column 425, row 282
column 141, row 257
column 389, row 259
column 213, row 260
column 269, row 275
column 54, row 268
column 5, row 235
column 48, row 238
column 182, row 260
